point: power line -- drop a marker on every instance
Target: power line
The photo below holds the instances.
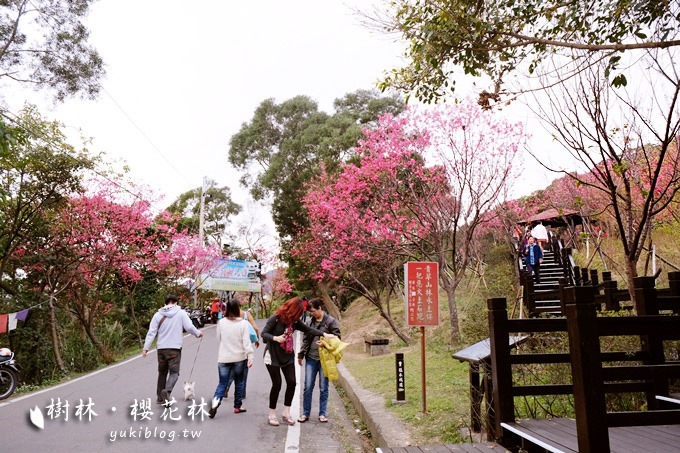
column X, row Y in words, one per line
column 17, row 121
column 146, row 137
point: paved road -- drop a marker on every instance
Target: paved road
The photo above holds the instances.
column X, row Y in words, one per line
column 112, row 393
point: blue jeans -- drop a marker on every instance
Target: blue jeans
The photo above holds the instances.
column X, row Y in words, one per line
column 228, row 372
column 245, row 380
column 312, row 368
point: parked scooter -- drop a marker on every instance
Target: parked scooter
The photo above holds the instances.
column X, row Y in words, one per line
column 9, row 373
column 197, row 316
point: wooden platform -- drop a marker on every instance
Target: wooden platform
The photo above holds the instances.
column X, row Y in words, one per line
column 559, row 435
column 469, row 448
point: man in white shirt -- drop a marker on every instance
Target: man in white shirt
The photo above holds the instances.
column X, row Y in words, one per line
column 540, row 233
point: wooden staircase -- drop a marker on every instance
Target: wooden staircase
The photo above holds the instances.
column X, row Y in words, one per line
column 544, row 297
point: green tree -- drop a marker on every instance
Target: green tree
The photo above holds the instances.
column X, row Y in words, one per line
column 45, row 44
column 285, row 145
column 38, row 171
column 497, row 37
column 218, row 207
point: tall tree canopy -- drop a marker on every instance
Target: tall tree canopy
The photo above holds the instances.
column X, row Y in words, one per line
column 218, row 206
column 45, row 44
column 389, row 207
column 38, row 171
column 627, row 142
column 496, row 37
column 285, row 145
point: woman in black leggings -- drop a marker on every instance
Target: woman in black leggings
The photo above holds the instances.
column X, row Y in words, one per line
column 279, row 355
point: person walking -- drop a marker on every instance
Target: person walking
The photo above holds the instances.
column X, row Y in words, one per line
column 247, row 316
column 310, row 353
column 168, row 324
column 214, row 309
column 540, row 233
column 234, row 356
column 533, row 257
column 279, row 355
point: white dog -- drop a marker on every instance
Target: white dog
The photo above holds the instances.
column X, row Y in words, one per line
column 189, row 390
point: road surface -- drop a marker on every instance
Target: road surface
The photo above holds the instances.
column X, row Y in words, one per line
column 114, row 410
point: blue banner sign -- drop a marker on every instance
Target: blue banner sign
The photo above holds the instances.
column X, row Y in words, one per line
column 232, row 275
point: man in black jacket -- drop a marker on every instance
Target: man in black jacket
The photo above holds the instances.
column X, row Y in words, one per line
column 310, row 352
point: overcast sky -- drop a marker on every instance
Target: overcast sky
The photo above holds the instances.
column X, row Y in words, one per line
column 183, row 76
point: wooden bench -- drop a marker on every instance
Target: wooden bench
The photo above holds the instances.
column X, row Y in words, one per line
column 376, row 346
column 643, row 371
column 478, row 356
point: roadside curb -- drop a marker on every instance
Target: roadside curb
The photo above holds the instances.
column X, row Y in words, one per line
column 386, row 430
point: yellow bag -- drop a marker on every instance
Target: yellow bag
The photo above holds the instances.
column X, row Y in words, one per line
column 330, row 354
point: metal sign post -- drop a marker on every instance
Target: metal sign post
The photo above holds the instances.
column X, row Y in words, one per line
column 401, row 387
column 421, row 286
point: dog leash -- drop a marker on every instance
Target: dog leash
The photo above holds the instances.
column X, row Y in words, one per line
column 196, row 357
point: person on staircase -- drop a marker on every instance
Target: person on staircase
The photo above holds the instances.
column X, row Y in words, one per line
column 540, row 233
column 533, row 257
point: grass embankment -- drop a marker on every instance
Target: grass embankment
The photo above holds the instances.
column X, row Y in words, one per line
column 666, row 238
column 448, row 404
column 447, row 379
column 448, row 387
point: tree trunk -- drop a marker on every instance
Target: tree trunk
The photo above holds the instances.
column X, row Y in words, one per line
column 631, row 273
column 453, row 312
column 53, row 334
column 87, row 323
column 104, row 353
column 135, row 322
column 405, row 338
column 329, row 305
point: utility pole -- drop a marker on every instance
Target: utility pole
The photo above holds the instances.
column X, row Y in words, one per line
column 201, row 223
column 201, row 218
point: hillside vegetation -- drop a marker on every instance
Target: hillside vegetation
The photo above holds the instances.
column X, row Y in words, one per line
column 448, row 405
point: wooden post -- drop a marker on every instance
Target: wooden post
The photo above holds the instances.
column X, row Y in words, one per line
column 594, row 280
column 561, row 284
column 566, row 253
column 674, row 285
column 584, row 276
column 476, row 395
column 501, row 369
column 610, row 300
column 577, row 276
column 423, row 381
column 586, row 372
column 645, row 299
column 529, row 299
column 490, row 419
column 645, row 296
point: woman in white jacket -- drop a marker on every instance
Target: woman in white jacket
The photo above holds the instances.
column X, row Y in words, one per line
column 235, row 353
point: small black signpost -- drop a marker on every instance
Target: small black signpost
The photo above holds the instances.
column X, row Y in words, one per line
column 401, row 387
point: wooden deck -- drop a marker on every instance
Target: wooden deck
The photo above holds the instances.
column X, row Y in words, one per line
column 468, row 448
column 559, row 435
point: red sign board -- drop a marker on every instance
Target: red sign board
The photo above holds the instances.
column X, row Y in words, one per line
column 421, row 284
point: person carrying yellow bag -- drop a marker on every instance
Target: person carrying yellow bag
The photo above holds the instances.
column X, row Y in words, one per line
column 311, row 351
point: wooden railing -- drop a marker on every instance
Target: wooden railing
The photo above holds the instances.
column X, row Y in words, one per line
column 593, row 372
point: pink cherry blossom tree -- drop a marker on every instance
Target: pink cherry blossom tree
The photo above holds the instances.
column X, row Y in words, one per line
column 360, row 228
column 392, row 206
column 625, row 143
column 98, row 240
column 479, row 152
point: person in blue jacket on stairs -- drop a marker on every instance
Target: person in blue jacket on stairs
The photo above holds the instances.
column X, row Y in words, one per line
column 533, row 257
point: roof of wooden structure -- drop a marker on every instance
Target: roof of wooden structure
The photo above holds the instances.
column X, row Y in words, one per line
column 555, row 217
